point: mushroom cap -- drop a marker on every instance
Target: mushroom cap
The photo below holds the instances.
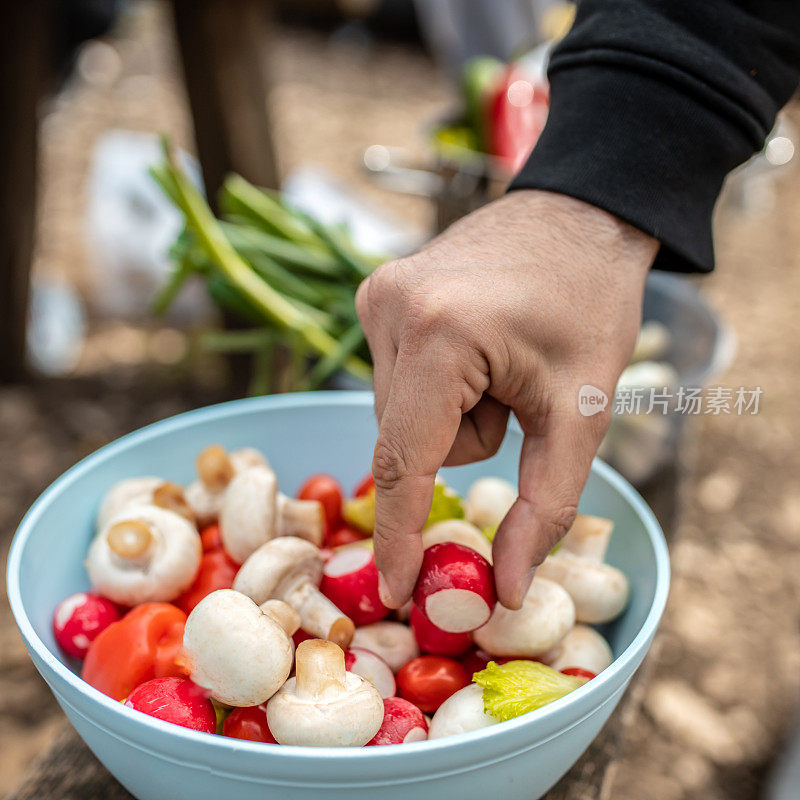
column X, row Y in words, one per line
column 459, row 531
column 392, row 641
column 460, row 713
column 207, row 504
column 248, row 514
column 126, row 493
column 547, row 614
column 337, row 718
column 582, row 647
column 166, row 570
column 276, row 566
column 233, row 649
column 489, row 500
column 599, row 591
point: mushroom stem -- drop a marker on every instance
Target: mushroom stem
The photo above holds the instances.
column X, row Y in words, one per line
column 320, row 669
column 215, row 468
column 170, row 496
column 130, row 539
column 302, row 518
column 283, row 614
column 318, row 615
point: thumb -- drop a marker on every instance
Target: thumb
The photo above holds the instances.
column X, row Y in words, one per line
column 417, row 429
column 554, row 467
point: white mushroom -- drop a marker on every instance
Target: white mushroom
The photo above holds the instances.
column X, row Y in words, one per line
column 459, row 531
column 145, row 554
column 144, row 491
column 216, row 468
column 324, row 705
column 488, row 501
column 599, row 591
column 253, row 512
column 460, row 713
column 392, row 641
column 588, row 537
column 290, row 569
column 546, row 616
column 241, row 653
column 582, row 647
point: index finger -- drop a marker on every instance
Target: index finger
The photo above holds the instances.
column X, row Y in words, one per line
column 417, row 429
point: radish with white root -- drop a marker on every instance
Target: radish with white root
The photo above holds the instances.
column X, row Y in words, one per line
column 324, row 705
column 455, row 588
column 147, row 554
column 583, row 647
column 599, row 591
column 240, row 653
column 459, row 531
column 290, row 569
column 488, row 501
column 254, row 512
column 460, row 713
column 350, row 582
column 392, row 641
column 546, row 616
column 144, row 491
column 216, row 468
column 588, row 537
column 372, row 667
column 434, row 640
column 403, row 723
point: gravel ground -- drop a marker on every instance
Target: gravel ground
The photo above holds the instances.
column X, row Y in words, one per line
column 727, row 676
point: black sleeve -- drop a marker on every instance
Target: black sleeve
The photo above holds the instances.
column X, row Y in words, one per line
column 653, row 102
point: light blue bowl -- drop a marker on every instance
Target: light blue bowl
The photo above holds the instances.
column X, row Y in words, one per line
column 301, row 434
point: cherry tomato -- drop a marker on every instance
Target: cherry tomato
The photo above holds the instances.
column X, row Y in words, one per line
column 366, row 486
column 79, row 619
column 211, row 538
column 434, row 640
column 427, row 681
column 343, row 535
column 326, row 490
column 249, row 723
column 216, row 571
column 579, row 672
column 175, row 700
column 143, row 645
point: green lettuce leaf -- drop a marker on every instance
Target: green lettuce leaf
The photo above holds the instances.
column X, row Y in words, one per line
column 517, row 687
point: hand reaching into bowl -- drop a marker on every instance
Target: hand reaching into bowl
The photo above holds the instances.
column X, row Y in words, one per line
column 513, row 308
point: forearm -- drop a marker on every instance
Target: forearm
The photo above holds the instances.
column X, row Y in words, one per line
column 654, row 102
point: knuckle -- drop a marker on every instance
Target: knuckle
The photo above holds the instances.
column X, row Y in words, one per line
column 558, row 521
column 388, row 464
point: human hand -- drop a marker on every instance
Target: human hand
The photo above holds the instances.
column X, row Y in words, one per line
column 513, row 308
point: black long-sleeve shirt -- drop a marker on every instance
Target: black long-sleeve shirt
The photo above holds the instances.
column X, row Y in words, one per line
column 653, row 102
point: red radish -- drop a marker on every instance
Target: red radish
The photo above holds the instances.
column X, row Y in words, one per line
column 475, row 661
column 434, row 640
column 326, row 490
column 372, row 667
column 248, row 723
column 579, row 672
column 402, row 723
column 343, row 535
column 175, row 700
column 79, row 619
column 300, row 636
column 350, row 582
column 455, row 588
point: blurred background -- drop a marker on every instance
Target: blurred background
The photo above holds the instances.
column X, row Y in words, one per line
column 369, row 125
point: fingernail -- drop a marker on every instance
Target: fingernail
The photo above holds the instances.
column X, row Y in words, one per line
column 524, row 585
column 384, row 592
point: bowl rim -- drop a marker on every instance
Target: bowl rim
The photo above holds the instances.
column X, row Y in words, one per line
column 614, row 674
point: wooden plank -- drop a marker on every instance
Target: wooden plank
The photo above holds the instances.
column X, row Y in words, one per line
column 23, row 72
column 224, row 47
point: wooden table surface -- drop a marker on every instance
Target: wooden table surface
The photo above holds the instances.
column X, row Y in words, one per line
column 69, row 771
